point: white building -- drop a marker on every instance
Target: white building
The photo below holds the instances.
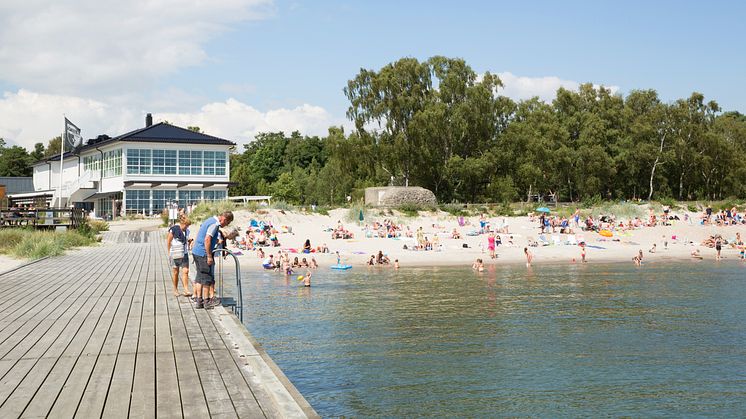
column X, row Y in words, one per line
column 138, row 172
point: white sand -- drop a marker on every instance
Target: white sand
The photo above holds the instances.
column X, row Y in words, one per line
column 7, row 263
column 358, row 250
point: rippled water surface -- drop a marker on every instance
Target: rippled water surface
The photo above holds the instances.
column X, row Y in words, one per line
column 661, row 340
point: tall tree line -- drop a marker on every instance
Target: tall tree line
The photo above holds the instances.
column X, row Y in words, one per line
column 439, row 125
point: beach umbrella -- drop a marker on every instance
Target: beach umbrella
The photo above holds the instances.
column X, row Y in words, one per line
column 543, row 209
column 361, row 217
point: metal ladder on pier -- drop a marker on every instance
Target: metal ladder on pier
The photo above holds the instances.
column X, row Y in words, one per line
column 235, row 302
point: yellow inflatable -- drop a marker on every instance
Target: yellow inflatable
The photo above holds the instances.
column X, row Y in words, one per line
column 606, row 233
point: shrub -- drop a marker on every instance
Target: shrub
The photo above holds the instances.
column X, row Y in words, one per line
column 591, row 201
column 504, row 210
column 206, row 209
column 454, row 209
column 353, row 214
column 692, row 208
column 321, row 210
column 623, row 210
column 164, row 218
column 100, row 225
column 9, row 238
column 670, row 202
column 39, row 244
column 409, row 210
column 282, row 205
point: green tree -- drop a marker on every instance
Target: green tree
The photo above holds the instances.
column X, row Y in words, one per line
column 15, row 161
column 53, row 147
column 38, row 152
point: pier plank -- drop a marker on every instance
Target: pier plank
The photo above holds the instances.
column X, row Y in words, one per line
column 98, row 333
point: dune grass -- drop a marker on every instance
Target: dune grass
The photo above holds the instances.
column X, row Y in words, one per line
column 36, row 244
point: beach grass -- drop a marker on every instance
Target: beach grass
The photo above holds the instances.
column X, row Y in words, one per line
column 36, row 244
column 206, row 209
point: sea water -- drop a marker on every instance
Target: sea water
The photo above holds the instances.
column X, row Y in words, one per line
column 569, row 340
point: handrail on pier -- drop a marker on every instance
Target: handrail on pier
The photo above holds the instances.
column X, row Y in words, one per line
column 236, row 304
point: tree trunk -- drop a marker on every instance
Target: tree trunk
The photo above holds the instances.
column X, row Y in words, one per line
column 681, row 185
column 652, row 175
column 655, row 165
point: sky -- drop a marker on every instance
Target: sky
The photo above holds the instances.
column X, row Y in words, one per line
column 236, row 68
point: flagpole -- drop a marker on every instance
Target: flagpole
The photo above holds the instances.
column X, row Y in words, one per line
column 62, row 156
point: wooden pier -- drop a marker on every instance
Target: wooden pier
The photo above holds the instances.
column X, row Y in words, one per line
column 97, row 333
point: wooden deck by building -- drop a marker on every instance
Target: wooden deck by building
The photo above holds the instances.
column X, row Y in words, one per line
column 97, row 333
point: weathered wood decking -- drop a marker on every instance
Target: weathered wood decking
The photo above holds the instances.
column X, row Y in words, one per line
column 97, row 333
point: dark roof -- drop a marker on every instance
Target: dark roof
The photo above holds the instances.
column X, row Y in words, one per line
column 161, row 132
column 164, row 133
column 17, row 184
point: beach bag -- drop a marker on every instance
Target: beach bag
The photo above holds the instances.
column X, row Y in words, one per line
column 177, row 249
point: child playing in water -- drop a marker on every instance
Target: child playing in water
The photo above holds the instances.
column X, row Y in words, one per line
column 396, row 264
column 478, row 265
column 529, row 256
column 307, row 279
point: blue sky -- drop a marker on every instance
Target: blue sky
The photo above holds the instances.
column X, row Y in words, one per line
column 237, row 67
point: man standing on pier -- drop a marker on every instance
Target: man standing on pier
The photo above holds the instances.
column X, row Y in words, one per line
column 205, row 243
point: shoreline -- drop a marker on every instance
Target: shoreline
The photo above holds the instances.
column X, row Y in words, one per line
column 672, row 243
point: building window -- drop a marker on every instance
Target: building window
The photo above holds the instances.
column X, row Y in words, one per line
column 164, row 162
column 92, row 163
column 214, row 195
column 103, row 208
column 138, row 201
column 214, row 162
column 138, row 161
column 161, row 198
column 190, row 162
column 112, row 163
column 189, row 197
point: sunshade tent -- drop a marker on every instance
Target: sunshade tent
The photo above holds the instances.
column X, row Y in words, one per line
column 542, row 209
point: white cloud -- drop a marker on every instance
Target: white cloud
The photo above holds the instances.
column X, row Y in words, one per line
column 240, row 122
column 94, row 46
column 521, row 88
column 27, row 117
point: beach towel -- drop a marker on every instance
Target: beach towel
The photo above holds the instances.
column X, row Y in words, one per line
column 595, row 247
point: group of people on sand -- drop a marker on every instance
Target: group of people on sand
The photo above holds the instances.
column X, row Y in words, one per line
column 340, row 232
column 386, row 229
column 265, row 236
column 211, row 235
column 724, row 217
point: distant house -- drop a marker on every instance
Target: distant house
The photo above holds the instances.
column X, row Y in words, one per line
column 138, row 172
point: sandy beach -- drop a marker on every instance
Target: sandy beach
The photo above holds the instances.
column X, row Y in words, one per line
column 674, row 242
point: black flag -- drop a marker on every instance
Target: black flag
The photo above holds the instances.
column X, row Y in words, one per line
column 72, row 139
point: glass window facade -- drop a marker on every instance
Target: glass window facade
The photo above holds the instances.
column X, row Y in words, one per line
column 139, row 161
column 138, row 201
column 189, row 197
column 190, row 162
column 171, row 162
column 214, row 195
column 164, row 162
column 151, row 202
column 214, row 163
column 112, row 164
column 161, row 199
column 92, row 163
